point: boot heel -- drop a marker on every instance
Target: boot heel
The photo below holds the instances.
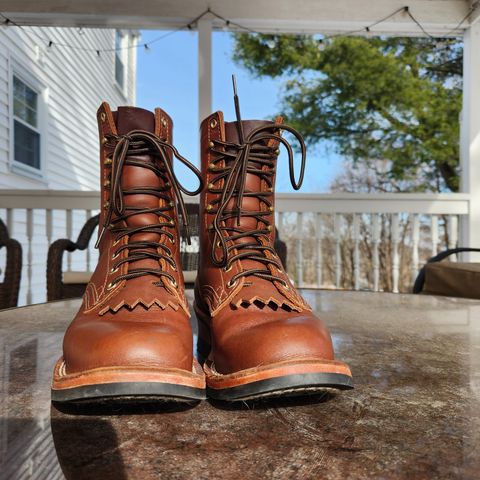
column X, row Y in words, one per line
column 204, row 344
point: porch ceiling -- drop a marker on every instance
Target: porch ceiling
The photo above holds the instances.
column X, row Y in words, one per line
column 310, row 16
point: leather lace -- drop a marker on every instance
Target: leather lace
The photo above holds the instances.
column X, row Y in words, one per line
column 135, row 143
column 253, row 156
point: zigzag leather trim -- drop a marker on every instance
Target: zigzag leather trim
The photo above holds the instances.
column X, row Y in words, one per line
column 139, row 301
column 266, row 302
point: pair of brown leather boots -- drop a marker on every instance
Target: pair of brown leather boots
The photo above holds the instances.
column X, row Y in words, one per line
column 132, row 339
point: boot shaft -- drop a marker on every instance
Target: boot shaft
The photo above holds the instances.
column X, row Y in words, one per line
column 113, row 125
column 139, row 261
column 220, row 145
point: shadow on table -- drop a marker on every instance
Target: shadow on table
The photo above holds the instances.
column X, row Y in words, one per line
column 131, row 441
column 265, row 404
column 86, row 439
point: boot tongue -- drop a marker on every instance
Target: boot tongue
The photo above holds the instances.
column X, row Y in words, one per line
column 128, row 119
column 132, row 118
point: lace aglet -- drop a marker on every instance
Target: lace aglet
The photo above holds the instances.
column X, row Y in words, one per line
column 100, row 236
column 236, row 101
column 187, row 235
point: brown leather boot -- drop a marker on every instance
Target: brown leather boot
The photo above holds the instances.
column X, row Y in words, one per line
column 257, row 334
column 132, row 338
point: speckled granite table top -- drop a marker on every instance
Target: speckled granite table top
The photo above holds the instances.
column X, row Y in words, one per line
column 414, row 414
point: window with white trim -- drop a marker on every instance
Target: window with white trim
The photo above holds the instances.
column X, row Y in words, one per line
column 26, row 133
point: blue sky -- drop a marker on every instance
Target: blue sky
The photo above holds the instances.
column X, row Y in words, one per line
column 167, row 77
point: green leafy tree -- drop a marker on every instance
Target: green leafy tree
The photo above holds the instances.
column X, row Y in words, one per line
column 391, row 99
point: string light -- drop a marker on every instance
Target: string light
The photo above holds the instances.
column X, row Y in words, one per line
column 227, row 24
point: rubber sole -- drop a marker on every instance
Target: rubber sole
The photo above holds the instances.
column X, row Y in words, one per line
column 127, row 385
column 287, row 386
column 294, row 377
column 129, row 392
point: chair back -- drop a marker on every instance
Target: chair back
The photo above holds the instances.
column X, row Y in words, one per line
column 13, row 269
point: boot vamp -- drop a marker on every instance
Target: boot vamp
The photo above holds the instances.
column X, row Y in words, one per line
column 257, row 337
column 139, row 338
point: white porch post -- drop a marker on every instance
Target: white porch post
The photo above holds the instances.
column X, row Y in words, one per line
column 204, row 68
column 470, row 139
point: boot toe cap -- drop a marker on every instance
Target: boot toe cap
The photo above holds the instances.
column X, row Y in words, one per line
column 95, row 344
column 278, row 340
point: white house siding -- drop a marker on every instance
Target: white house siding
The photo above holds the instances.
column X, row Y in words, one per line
column 74, row 83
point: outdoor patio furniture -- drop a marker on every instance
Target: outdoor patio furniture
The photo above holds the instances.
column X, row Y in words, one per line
column 453, row 279
column 13, row 269
column 414, row 412
column 71, row 284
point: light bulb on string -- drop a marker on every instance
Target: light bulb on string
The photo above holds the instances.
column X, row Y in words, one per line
column 146, row 48
column 368, row 32
column 321, row 45
column 270, row 44
column 226, row 26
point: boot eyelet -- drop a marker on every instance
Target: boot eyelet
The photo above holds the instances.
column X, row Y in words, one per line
column 213, row 123
column 270, row 208
column 103, row 116
column 231, row 284
column 212, row 167
column 117, row 241
column 227, row 269
column 106, row 183
column 164, row 121
column 115, row 255
column 219, row 244
column 114, row 270
column 211, row 144
column 173, row 283
column 172, row 241
column 108, row 161
column 209, row 208
column 277, row 151
column 104, row 140
column 106, row 205
column 111, row 285
column 269, row 228
column 210, row 186
column 167, row 185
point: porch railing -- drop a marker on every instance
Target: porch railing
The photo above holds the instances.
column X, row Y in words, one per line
column 359, row 241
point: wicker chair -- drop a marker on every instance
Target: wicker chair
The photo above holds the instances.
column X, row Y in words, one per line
column 13, row 269
column 58, row 289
